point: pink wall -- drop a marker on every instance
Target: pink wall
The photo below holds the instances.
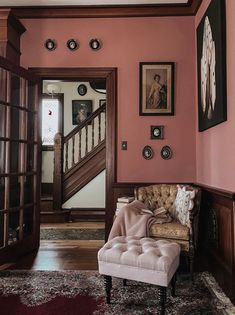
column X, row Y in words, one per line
column 216, row 146
column 126, row 42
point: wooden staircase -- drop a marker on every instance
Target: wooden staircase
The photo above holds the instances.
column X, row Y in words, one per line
column 81, row 174
column 79, row 157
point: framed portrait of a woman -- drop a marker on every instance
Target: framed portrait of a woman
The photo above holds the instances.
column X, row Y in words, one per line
column 81, row 110
column 156, row 88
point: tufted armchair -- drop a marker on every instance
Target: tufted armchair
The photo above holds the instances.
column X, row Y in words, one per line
column 186, row 235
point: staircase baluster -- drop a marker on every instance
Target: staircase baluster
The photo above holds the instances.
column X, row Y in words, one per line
column 66, row 156
column 73, row 143
column 86, row 140
column 99, row 136
column 80, row 146
column 93, row 136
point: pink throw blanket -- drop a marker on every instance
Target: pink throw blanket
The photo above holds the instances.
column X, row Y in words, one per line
column 130, row 221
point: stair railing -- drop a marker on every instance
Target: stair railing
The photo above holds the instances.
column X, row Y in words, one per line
column 74, row 147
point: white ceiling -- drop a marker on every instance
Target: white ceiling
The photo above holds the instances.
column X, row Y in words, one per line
column 11, row 3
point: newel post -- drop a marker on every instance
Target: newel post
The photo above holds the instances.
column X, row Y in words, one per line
column 57, row 175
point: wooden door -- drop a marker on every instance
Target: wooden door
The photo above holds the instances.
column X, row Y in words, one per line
column 19, row 162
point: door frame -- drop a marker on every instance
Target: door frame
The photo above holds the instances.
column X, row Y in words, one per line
column 86, row 74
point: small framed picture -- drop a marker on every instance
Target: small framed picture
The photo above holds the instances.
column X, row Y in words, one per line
column 82, row 89
column 166, row 152
column 72, row 44
column 95, row 44
column 156, row 132
column 50, row 44
column 81, row 110
column 156, row 88
column 147, row 152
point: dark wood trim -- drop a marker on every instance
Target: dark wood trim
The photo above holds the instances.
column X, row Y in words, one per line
column 11, row 30
column 55, row 216
column 20, row 71
column 217, row 191
column 111, row 147
column 220, row 252
column 84, row 160
column 87, row 214
column 82, row 73
column 7, row 15
column 86, row 74
column 105, row 11
column 46, row 189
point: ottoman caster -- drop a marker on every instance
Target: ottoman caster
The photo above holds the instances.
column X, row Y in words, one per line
column 108, row 287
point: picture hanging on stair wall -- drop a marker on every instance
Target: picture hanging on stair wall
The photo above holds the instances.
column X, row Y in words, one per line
column 81, row 110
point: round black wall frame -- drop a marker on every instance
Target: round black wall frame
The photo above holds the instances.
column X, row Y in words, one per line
column 50, row 44
column 95, row 44
column 166, row 153
column 147, row 152
column 82, row 89
column 72, row 44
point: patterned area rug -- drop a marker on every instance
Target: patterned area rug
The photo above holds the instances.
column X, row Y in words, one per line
column 82, row 293
column 72, row 234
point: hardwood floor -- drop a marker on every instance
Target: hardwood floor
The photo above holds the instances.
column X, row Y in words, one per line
column 63, row 254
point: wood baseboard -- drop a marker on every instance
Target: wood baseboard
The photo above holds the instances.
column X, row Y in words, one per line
column 87, row 214
column 55, row 216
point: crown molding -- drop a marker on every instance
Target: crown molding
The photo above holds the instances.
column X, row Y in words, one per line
column 115, row 11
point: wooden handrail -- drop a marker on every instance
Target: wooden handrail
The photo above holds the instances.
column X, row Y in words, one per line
column 84, row 123
column 57, row 176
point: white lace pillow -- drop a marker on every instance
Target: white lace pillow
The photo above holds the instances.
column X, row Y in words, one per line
column 183, row 204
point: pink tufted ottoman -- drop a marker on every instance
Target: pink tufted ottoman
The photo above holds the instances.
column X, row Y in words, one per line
column 140, row 259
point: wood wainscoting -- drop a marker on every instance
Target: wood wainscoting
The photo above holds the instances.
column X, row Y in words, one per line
column 217, row 236
column 216, row 231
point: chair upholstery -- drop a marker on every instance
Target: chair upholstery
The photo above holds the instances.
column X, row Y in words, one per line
column 163, row 195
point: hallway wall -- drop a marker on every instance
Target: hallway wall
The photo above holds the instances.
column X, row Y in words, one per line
column 126, row 42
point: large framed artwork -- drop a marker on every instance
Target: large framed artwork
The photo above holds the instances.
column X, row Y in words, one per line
column 156, row 88
column 211, row 66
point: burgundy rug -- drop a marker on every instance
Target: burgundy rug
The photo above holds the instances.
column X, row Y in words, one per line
column 82, row 293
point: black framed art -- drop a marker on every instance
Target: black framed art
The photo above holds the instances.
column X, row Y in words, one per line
column 211, row 66
column 147, row 152
column 156, row 132
column 81, row 110
column 156, row 88
column 82, row 89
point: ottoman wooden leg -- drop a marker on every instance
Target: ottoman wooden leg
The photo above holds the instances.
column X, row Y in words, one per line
column 124, row 282
column 162, row 299
column 108, row 287
column 173, row 282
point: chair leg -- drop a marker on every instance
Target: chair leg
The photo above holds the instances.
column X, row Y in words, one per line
column 108, row 287
column 162, row 299
column 173, row 282
column 124, row 282
column 191, row 265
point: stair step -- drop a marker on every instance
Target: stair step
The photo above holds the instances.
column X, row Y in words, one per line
column 46, row 198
